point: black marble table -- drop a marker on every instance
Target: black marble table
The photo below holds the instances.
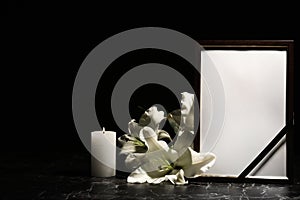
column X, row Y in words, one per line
column 66, row 176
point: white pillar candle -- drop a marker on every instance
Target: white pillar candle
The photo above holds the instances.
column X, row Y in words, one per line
column 103, row 150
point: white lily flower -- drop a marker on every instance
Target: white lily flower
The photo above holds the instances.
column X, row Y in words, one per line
column 161, row 162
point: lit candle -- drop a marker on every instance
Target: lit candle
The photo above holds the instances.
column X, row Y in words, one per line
column 103, row 150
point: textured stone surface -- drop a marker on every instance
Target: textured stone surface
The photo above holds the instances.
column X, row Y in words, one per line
column 66, row 176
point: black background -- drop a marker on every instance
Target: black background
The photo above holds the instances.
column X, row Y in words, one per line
column 146, row 95
column 44, row 44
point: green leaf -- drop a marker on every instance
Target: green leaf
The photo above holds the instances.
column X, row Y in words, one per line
column 130, row 144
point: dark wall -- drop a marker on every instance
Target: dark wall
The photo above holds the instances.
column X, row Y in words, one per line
column 45, row 44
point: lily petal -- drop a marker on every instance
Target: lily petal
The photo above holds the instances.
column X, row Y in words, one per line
column 152, row 118
column 185, row 135
column 187, row 111
column 130, row 144
column 159, row 155
column 156, row 165
column 183, row 140
column 140, row 176
column 134, row 160
column 194, row 164
column 150, row 138
column 177, row 178
column 134, row 128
